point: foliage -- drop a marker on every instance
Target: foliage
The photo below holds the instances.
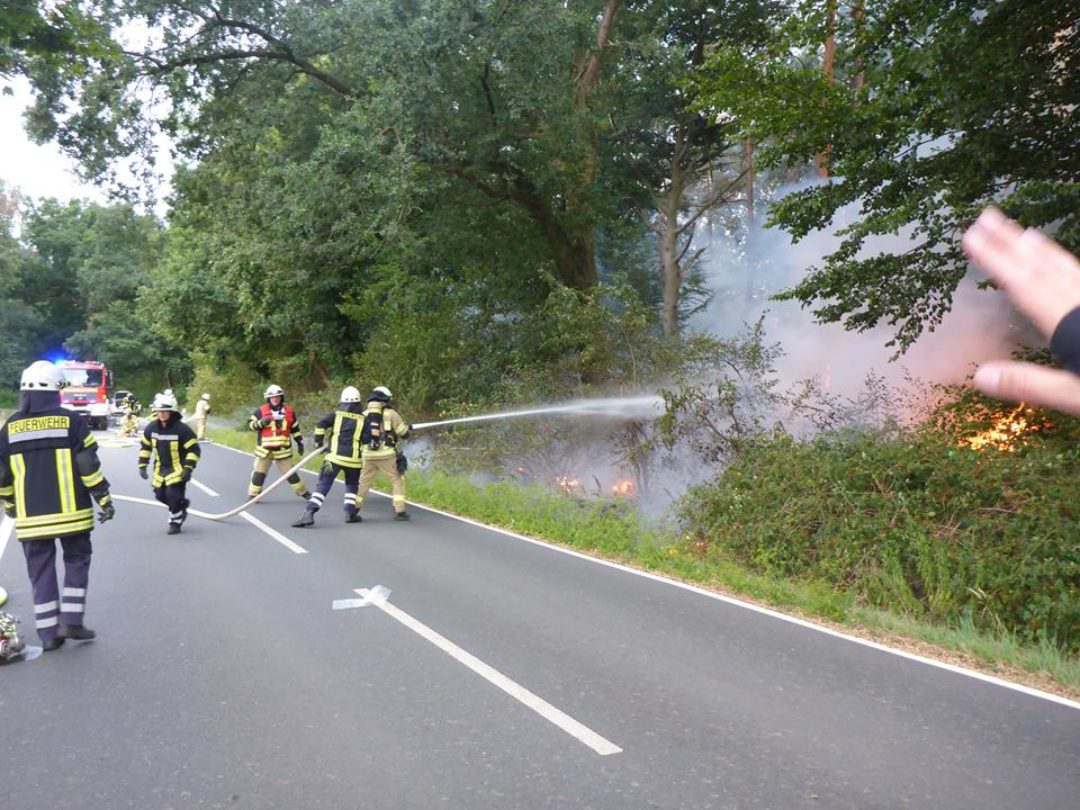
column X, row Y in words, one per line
column 917, row 523
column 934, row 110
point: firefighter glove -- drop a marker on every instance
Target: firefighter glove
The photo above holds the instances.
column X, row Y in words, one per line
column 106, row 511
column 185, row 476
column 326, row 469
column 402, row 464
column 299, row 445
column 143, row 474
column 9, row 509
column 265, row 421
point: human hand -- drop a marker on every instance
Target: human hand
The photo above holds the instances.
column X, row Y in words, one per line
column 143, row 474
column 106, row 511
column 265, row 421
column 185, row 476
column 1043, row 280
column 300, row 446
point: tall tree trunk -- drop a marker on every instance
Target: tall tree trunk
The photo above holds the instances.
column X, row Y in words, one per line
column 821, row 161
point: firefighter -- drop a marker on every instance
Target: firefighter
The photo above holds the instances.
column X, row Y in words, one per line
column 176, row 452
column 277, row 427
column 49, row 472
column 129, row 425
column 384, row 429
column 339, row 432
column 202, row 410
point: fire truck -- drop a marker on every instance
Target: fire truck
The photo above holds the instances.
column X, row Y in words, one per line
column 87, row 390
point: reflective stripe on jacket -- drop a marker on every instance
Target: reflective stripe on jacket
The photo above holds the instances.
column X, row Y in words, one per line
column 276, row 438
column 174, row 448
column 38, row 473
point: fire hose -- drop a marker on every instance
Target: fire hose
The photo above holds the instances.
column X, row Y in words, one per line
column 248, row 503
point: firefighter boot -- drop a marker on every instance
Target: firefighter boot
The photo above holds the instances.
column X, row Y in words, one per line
column 174, row 528
column 306, row 521
column 76, row 632
column 50, row 644
column 352, row 516
column 401, row 516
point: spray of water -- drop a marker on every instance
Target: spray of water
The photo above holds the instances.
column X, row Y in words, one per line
column 615, row 407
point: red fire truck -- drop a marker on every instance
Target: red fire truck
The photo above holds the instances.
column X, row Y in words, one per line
column 87, row 391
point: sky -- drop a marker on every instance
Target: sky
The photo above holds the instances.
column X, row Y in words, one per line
column 37, row 171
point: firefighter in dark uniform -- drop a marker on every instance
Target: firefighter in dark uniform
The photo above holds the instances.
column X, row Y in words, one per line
column 49, row 471
column 339, row 431
column 176, row 452
column 384, row 430
column 276, row 427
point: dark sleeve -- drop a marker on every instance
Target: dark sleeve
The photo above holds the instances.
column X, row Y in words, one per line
column 146, row 446
column 7, row 480
column 189, row 447
column 1065, row 342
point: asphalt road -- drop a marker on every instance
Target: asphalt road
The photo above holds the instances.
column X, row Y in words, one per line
column 501, row 673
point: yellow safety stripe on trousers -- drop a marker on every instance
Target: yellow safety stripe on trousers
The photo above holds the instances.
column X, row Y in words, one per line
column 73, row 524
column 65, row 480
column 18, row 468
column 264, row 452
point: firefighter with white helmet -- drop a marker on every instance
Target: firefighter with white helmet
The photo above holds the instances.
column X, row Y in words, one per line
column 49, row 476
column 384, row 429
column 176, row 453
column 277, row 428
column 339, row 431
column 202, row 411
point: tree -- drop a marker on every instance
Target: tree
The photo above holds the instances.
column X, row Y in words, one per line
column 673, row 152
column 934, row 110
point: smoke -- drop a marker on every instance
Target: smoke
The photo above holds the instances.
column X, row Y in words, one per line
column 746, row 272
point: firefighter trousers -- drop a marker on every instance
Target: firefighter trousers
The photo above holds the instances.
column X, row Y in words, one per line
column 374, row 466
column 174, row 496
column 50, row 608
column 262, row 467
column 326, row 480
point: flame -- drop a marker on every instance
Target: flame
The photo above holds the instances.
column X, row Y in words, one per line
column 624, row 487
column 1007, row 431
column 567, row 484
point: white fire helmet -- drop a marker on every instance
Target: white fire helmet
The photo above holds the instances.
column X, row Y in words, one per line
column 383, row 391
column 163, row 402
column 350, row 394
column 41, row 376
column 206, row 397
column 274, row 391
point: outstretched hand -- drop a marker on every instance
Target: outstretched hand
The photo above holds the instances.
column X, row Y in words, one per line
column 1043, row 280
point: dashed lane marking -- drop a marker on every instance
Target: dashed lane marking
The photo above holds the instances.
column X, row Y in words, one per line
column 553, row 715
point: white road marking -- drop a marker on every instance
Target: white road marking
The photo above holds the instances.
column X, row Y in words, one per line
column 7, row 526
column 204, row 488
column 274, row 534
column 515, row 690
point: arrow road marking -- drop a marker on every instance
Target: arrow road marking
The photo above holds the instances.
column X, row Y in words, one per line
column 515, row 690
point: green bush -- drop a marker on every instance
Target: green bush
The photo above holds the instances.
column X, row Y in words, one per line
column 916, row 524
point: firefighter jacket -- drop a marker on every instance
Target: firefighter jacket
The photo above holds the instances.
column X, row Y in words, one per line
column 275, row 439
column 49, row 470
column 385, row 433
column 340, row 430
column 202, row 409
column 174, row 448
